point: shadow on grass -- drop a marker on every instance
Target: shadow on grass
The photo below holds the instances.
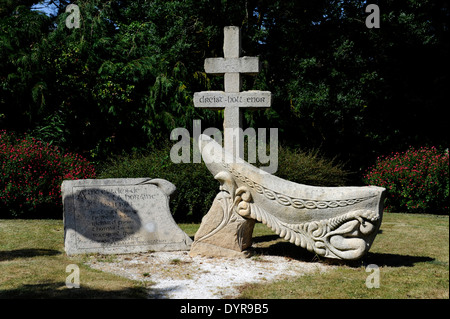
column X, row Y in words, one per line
column 60, row 291
column 261, row 239
column 26, row 253
column 283, row 249
column 394, row 260
column 286, row 249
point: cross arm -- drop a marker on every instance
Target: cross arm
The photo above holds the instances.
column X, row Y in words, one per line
column 219, row 66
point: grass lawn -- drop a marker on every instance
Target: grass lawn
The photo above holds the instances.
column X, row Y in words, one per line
column 411, row 251
column 33, row 265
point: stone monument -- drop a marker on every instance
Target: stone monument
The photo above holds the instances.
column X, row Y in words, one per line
column 334, row 222
column 123, row 215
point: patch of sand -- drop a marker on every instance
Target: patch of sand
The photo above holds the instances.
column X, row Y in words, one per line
column 176, row 275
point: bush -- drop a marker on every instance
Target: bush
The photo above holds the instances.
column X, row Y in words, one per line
column 416, row 180
column 196, row 187
column 310, row 168
column 31, row 175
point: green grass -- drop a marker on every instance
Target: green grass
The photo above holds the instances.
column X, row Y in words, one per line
column 412, row 252
column 33, row 265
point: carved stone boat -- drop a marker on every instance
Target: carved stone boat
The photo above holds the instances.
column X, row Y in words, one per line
column 334, row 222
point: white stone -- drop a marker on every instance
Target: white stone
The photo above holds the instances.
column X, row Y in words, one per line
column 232, row 42
column 220, row 66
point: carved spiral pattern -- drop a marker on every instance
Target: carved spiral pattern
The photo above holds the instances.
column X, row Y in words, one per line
column 313, row 236
column 286, row 200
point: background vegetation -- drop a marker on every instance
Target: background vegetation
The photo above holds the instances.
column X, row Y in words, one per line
column 118, row 85
column 416, row 180
column 126, row 78
column 31, row 175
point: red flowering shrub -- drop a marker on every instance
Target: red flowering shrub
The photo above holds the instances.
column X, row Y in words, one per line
column 32, row 172
column 416, row 180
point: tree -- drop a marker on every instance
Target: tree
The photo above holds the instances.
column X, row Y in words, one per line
column 21, row 30
column 120, row 80
column 354, row 91
column 127, row 76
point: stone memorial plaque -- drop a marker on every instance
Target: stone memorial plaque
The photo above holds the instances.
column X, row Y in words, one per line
column 120, row 216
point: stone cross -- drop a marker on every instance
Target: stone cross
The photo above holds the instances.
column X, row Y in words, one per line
column 232, row 100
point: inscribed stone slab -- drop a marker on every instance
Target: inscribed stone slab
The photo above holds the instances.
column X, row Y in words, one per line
column 124, row 215
column 220, row 99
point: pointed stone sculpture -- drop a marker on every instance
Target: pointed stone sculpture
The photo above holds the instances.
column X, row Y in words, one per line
column 334, row 222
column 224, row 232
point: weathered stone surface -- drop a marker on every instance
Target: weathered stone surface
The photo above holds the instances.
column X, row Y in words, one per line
column 232, row 100
column 120, row 216
column 223, row 232
column 334, row 222
column 220, row 99
column 221, row 66
column 232, row 42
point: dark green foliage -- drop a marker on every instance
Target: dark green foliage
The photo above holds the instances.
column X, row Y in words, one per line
column 126, row 78
column 310, row 168
column 354, row 91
